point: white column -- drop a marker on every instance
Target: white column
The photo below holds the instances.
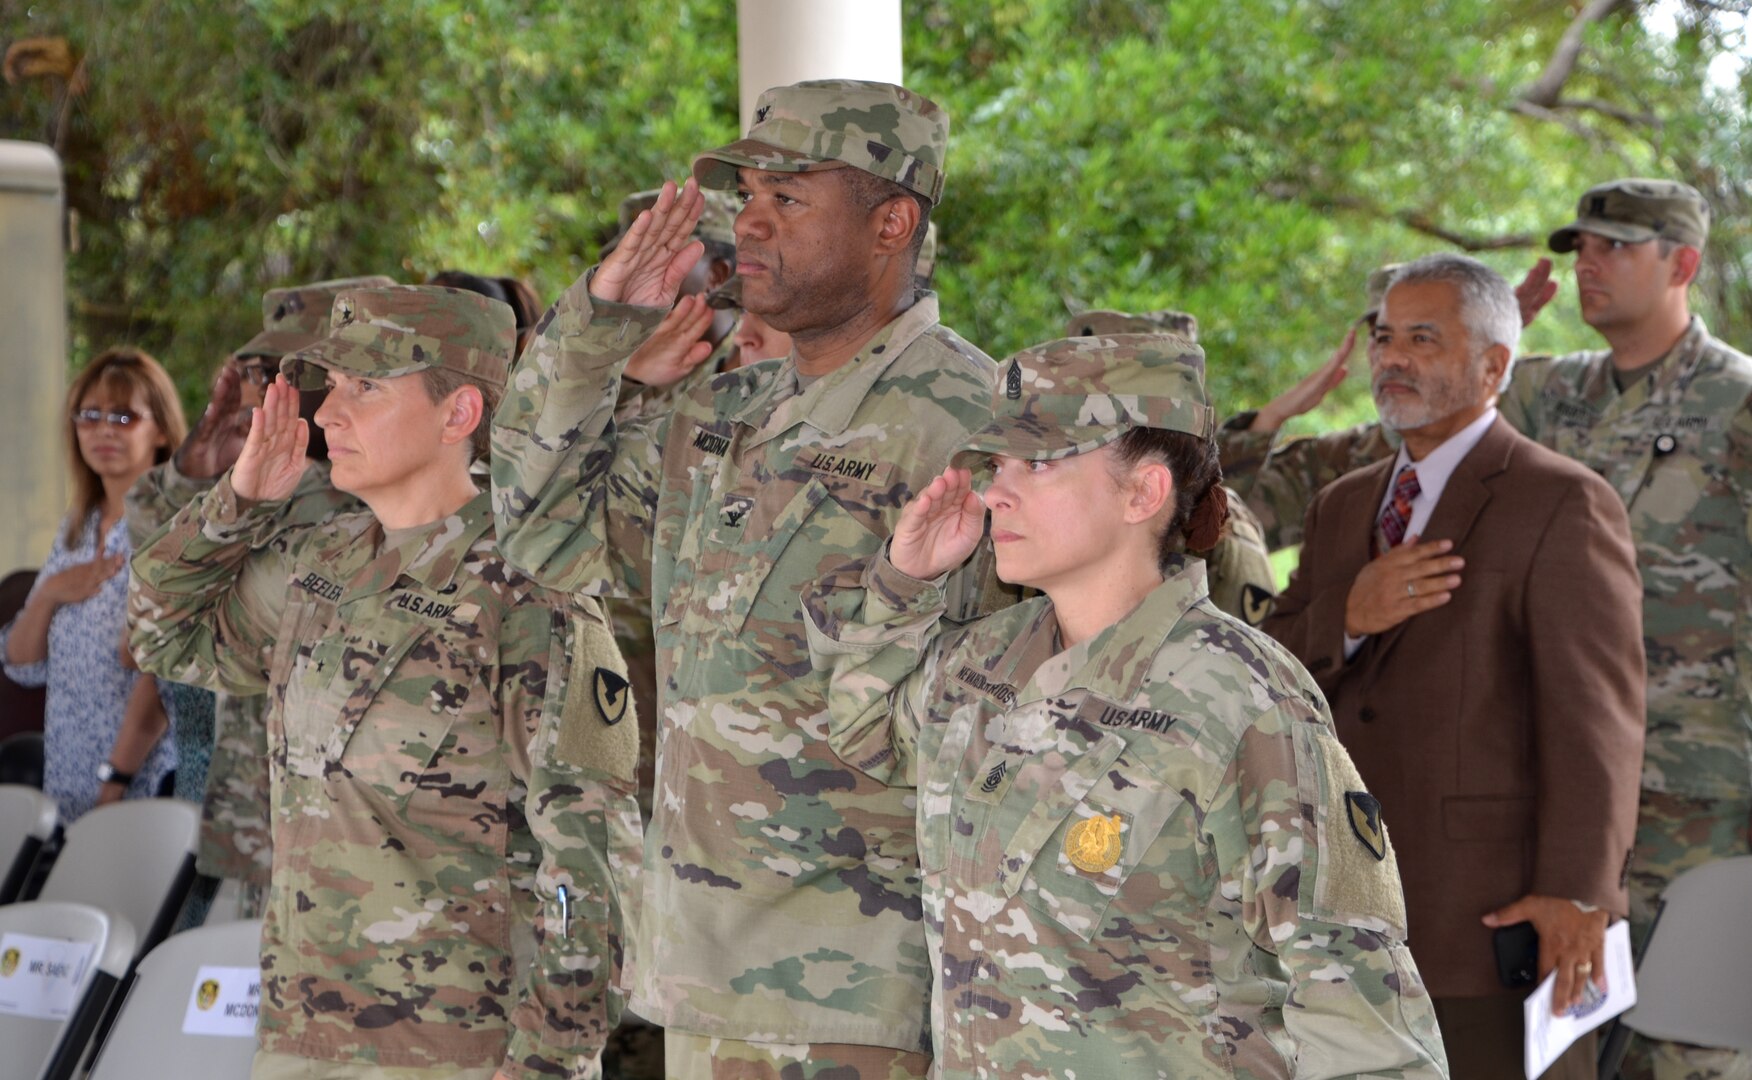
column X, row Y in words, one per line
column 780, row 42
column 33, row 353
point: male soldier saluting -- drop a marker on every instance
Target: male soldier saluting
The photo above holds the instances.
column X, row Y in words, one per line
column 781, row 920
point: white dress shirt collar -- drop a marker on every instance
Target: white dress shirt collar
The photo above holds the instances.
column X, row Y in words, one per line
column 1434, row 471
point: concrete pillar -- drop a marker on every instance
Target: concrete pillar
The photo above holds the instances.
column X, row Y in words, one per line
column 33, row 353
column 780, row 42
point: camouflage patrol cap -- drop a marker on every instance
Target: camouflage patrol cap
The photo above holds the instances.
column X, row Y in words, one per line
column 1375, row 291
column 385, row 332
column 1103, row 323
column 296, row 317
column 1078, row 394
column 1637, row 210
column 728, row 296
column 717, row 221
column 884, row 129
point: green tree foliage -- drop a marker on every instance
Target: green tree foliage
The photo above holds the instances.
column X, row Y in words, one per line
column 1250, row 162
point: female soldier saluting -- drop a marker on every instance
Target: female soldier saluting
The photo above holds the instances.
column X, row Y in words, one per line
column 1144, row 851
column 450, row 762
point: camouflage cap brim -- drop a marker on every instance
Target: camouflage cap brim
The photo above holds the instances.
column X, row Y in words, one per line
column 1024, row 442
column 716, row 169
column 277, row 343
column 728, row 296
column 1103, row 418
column 305, row 368
column 1564, row 239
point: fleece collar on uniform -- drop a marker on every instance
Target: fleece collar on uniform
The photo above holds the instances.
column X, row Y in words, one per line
column 1113, row 663
column 829, row 403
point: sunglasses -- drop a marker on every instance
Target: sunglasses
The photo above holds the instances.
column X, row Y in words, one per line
column 122, row 418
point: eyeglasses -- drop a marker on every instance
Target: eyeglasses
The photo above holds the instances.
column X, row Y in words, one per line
column 121, row 418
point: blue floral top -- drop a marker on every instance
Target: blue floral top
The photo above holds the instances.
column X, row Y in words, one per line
column 87, row 684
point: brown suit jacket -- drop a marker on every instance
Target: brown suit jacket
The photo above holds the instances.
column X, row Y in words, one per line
column 1503, row 732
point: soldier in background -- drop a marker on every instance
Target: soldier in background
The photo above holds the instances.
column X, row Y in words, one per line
column 1133, row 813
column 1664, row 413
column 781, row 927
column 1238, row 569
column 451, row 756
column 235, row 841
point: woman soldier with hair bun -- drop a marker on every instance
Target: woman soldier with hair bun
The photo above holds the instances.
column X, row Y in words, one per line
column 1143, row 850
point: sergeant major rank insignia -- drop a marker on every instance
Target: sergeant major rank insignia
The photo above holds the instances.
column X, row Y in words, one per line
column 611, row 695
column 1013, row 382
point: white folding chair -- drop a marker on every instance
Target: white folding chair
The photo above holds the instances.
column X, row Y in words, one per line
column 41, row 1048
column 149, row 1036
column 1691, row 985
column 135, row 858
column 27, row 821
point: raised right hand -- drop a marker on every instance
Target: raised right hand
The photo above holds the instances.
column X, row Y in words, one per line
column 939, row 528
column 218, row 437
column 647, row 267
column 1307, row 394
column 273, row 458
column 676, row 347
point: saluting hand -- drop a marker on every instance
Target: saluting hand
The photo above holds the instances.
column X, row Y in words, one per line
column 1409, row 580
column 647, row 267
column 273, row 458
column 1535, row 291
column 939, row 528
column 1307, row 394
column 676, row 347
column 218, row 437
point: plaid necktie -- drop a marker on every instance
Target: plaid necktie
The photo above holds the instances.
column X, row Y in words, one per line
column 1397, row 515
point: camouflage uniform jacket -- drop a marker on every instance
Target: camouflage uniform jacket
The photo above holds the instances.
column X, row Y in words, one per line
column 781, row 889
column 1678, row 448
column 1138, row 854
column 236, row 841
column 441, row 764
column 1279, row 478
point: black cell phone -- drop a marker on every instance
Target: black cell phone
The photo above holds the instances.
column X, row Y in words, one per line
column 1517, row 954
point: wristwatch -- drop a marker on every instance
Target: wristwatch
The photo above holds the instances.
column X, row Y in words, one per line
column 109, row 774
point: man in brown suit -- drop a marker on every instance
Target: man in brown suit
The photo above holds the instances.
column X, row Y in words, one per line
column 1472, row 610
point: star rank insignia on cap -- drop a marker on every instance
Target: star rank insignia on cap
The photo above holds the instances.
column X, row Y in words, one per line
column 611, row 695
column 1365, row 821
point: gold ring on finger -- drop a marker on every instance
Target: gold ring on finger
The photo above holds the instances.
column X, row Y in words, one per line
column 1585, row 968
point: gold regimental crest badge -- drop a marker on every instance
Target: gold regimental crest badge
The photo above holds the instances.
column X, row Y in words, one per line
column 1093, row 844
